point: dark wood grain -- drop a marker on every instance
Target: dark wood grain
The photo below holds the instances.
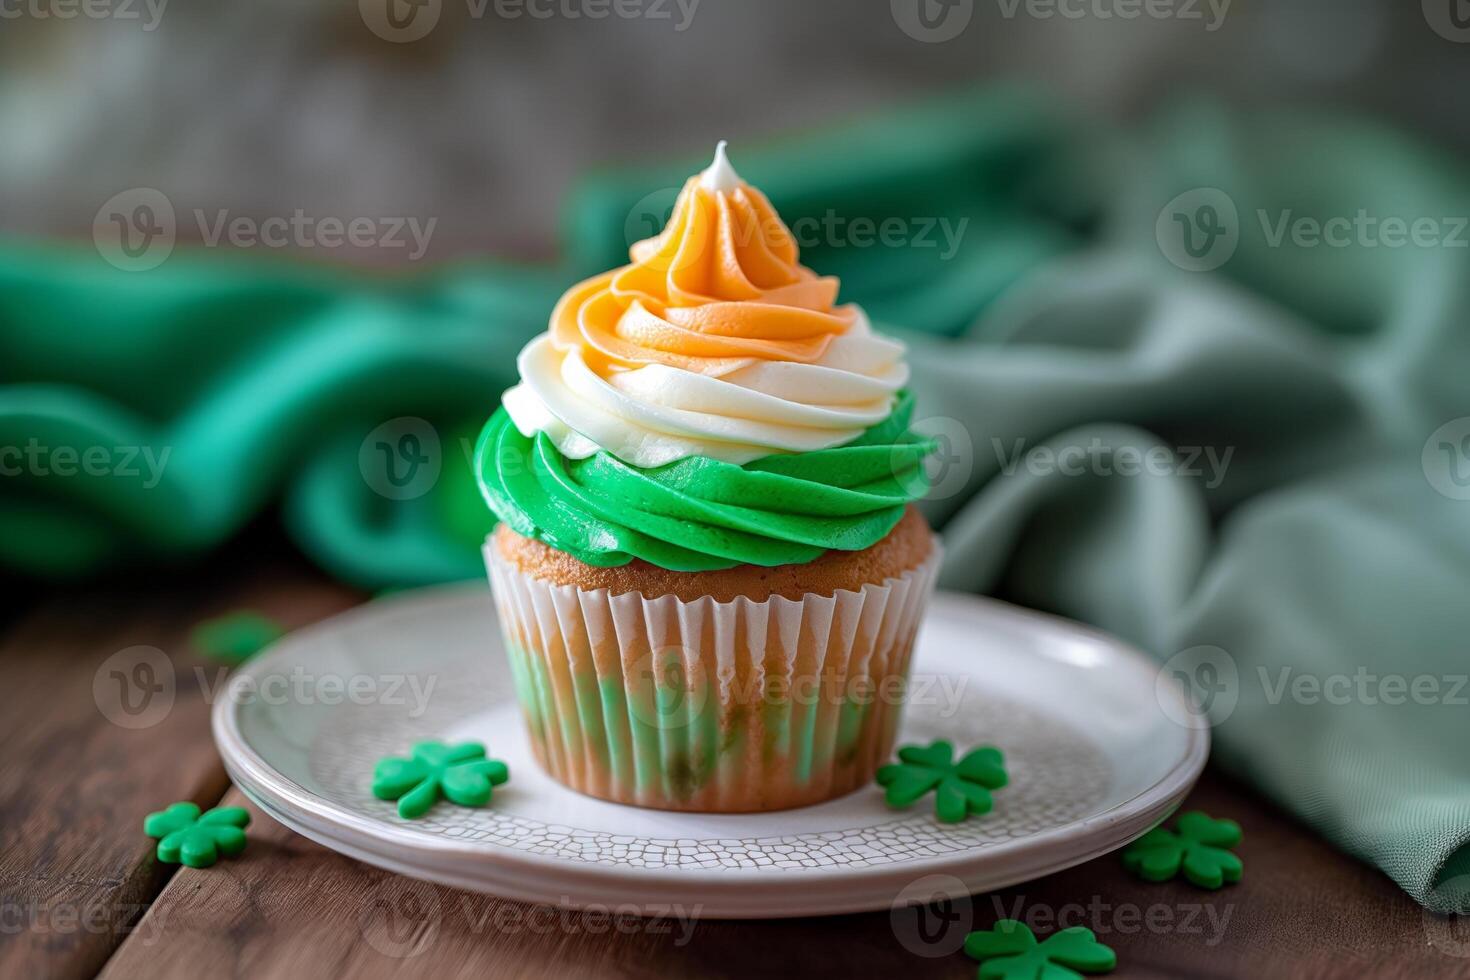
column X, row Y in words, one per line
column 289, row 908
column 78, row 772
column 74, row 787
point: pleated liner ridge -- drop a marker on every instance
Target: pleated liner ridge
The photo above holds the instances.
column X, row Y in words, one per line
column 710, row 706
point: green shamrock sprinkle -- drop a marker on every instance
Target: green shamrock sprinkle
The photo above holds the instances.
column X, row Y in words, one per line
column 235, row 637
column 1010, row 952
column 960, row 788
column 1198, row 844
column 185, row 837
column 461, row 773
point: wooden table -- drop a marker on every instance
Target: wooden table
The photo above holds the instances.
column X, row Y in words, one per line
column 81, row 892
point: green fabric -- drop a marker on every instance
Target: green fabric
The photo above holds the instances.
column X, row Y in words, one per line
column 699, row 513
column 1312, row 545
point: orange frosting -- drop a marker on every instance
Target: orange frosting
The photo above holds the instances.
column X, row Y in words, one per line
column 719, row 289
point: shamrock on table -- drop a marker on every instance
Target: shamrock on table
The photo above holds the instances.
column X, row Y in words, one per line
column 961, row 788
column 1198, row 844
column 236, row 637
column 459, row 772
column 1010, row 952
column 184, row 836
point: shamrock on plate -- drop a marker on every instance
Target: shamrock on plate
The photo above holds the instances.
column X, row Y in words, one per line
column 186, row 837
column 1198, row 844
column 461, row 773
column 1010, row 952
column 960, row 788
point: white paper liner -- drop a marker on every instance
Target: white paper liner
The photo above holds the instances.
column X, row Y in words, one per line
column 705, row 705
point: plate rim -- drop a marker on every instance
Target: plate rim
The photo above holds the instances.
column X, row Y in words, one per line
column 522, row 875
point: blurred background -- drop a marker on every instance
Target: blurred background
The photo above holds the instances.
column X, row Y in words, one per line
column 486, row 120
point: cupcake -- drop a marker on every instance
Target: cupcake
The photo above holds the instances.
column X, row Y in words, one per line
column 708, row 567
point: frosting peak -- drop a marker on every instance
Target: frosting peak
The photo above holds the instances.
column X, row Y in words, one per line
column 707, row 405
column 714, row 341
column 719, row 176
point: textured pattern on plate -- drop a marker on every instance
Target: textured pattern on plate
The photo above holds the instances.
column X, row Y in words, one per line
column 1057, row 775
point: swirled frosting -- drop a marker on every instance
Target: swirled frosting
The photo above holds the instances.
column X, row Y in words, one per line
column 707, row 405
column 701, row 513
column 715, row 341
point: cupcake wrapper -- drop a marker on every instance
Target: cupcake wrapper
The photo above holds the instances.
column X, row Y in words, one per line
column 705, row 705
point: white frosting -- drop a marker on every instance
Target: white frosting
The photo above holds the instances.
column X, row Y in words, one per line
column 719, row 176
column 657, row 414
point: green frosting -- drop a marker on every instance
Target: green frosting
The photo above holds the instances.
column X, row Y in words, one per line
column 699, row 513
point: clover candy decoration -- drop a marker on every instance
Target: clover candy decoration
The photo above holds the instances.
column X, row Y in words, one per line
column 186, row 837
column 960, row 788
column 1010, row 952
column 460, row 773
column 1198, row 844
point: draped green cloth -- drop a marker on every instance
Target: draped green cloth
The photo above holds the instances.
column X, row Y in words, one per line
column 1256, row 473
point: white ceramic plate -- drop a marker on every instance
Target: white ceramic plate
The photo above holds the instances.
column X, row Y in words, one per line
column 1094, row 760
